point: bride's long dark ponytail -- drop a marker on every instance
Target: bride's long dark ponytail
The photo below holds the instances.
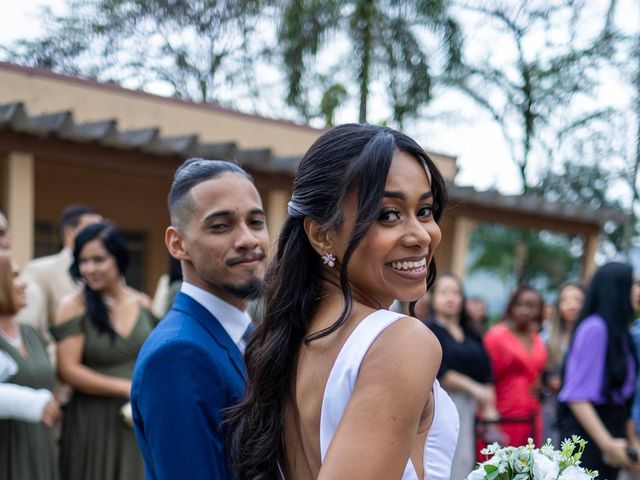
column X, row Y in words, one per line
column 345, row 160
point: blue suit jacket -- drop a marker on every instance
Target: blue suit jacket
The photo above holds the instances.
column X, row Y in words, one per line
column 187, row 372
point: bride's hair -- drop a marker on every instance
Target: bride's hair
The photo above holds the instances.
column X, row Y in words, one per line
column 348, row 159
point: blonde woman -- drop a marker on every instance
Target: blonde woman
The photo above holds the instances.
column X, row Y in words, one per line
column 557, row 338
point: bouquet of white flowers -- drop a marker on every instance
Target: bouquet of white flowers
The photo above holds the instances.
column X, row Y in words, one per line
column 531, row 463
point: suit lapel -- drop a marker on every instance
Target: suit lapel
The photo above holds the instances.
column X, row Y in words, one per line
column 186, row 304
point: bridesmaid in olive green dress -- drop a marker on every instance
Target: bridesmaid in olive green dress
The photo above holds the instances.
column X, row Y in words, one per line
column 99, row 331
column 27, row 449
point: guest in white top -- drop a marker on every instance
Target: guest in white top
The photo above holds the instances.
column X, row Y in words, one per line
column 339, row 386
column 24, row 403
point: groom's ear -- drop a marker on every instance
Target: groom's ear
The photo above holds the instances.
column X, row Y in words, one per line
column 174, row 241
column 320, row 238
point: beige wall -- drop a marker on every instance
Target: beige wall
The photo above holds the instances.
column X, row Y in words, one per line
column 447, row 165
column 90, row 101
column 43, row 92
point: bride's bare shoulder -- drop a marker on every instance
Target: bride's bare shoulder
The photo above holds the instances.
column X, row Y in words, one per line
column 410, row 342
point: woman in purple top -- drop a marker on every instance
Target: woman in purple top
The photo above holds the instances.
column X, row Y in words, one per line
column 600, row 373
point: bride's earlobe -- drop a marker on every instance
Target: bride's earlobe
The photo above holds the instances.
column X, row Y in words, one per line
column 318, row 236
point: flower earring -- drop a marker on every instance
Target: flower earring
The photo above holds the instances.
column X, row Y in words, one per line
column 329, row 259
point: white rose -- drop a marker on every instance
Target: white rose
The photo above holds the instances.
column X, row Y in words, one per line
column 478, row 474
column 574, row 473
column 544, row 468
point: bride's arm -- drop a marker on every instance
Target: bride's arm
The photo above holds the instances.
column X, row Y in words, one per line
column 377, row 432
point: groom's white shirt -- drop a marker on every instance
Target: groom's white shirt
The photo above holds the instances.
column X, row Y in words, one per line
column 233, row 320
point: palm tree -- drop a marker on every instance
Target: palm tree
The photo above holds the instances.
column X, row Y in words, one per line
column 387, row 44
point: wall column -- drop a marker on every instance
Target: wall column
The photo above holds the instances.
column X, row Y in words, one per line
column 276, row 212
column 462, row 227
column 591, row 245
column 20, row 203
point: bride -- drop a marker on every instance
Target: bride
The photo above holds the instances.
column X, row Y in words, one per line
column 339, row 387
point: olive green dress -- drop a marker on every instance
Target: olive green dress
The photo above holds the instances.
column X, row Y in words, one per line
column 96, row 443
column 27, row 450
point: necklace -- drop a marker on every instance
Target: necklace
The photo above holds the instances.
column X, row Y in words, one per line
column 109, row 301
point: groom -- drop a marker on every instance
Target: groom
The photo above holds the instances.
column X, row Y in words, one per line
column 190, row 368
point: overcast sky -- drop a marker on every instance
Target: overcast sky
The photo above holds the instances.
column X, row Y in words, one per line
column 483, row 159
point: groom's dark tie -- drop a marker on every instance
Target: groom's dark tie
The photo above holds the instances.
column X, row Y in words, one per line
column 247, row 333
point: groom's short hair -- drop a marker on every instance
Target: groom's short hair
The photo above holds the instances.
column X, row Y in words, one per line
column 191, row 173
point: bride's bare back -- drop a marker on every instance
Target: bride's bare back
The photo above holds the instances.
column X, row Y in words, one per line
column 313, row 366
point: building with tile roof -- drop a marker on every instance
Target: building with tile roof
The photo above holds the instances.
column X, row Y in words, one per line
column 69, row 140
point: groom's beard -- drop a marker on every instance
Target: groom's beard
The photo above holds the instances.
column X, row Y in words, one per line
column 248, row 291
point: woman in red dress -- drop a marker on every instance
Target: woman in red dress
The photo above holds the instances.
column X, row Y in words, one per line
column 518, row 357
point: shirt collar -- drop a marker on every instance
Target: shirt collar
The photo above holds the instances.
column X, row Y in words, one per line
column 233, row 320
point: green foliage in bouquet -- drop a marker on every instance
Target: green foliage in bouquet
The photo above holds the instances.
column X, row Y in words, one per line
column 531, row 463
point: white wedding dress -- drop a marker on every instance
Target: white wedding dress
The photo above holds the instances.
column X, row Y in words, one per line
column 443, row 433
